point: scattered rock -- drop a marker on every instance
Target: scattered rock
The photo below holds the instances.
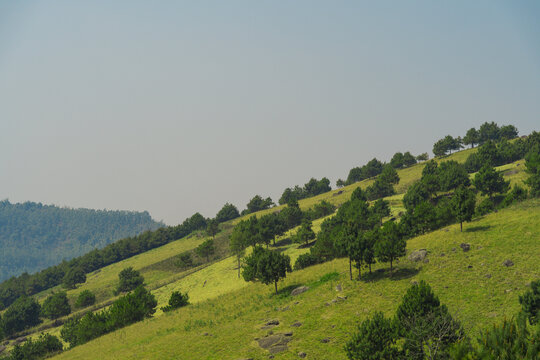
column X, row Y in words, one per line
column 465, row 246
column 299, row 290
column 296, row 302
column 288, row 333
column 488, row 276
column 414, row 282
column 327, row 304
column 286, row 308
column 246, row 359
column 342, row 297
column 446, row 230
column 469, row 267
column 338, row 287
column 274, row 343
column 426, row 261
column 325, row 340
column 418, row 255
column 508, row 263
column 454, row 249
column 273, row 322
column 205, row 334
column 508, row 290
column 297, row 324
column 442, row 254
column 302, row 354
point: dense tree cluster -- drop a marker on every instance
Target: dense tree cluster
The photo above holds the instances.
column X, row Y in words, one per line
column 401, row 160
column 26, row 284
column 264, row 230
column 46, row 345
column 486, row 133
column 446, row 145
column 128, row 309
column 355, row 232
column 227, row 212
column 313, row 187
column 34, row 236
column 24, row 313
column 422, row 328
column 257, row 203
column 373, row 168
column 384, row 184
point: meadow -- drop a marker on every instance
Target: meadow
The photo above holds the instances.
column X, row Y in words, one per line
column 475, row 285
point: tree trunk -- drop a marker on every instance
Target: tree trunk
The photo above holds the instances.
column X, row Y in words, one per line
column 391, row 268
column 359, row 272
column 275, row 283
column 238, row 267
column 370, row 268
column 461, row 226
column 350, row 268
column 274, row 239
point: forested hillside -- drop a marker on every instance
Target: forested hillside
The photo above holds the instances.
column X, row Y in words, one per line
column 34, row 236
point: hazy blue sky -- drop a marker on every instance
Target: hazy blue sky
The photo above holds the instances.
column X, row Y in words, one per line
column 178, row 107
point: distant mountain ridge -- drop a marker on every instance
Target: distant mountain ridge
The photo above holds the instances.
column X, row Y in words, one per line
column 34, row 236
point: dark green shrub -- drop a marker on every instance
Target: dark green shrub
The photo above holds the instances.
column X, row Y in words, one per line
column 206, row 249
column 73, row 277
column 44, row 346
column 425, row 324
column 129, row 279
column 55, row 306
column 375, row 339
column 131, row 308
column 530, row 302
column 126, row 310
column 305, row 260
column 485, row 207
column 184, row 260
column 86, row 298
column 176, row 301
column 517, row 194
column 22, row 314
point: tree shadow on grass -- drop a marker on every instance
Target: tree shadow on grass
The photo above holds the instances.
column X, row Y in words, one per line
column 283, row 242
column 306, row 246
column 285, row 292
column 398, row 274
column 477, row 228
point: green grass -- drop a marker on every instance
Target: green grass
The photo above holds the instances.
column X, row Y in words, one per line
column 209, row 283
column 232, row 317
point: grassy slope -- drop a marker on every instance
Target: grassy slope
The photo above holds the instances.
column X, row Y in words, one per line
column 221, row 277
column 234, row 319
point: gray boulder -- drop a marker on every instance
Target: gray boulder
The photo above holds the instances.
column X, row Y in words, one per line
column 418, row 255
column 299, row 290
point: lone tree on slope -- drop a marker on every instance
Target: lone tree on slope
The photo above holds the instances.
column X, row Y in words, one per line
column 266, row 266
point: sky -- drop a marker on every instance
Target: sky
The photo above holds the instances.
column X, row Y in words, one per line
column 178, row 107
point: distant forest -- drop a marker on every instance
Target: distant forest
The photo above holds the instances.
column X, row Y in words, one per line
column 34, row 236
